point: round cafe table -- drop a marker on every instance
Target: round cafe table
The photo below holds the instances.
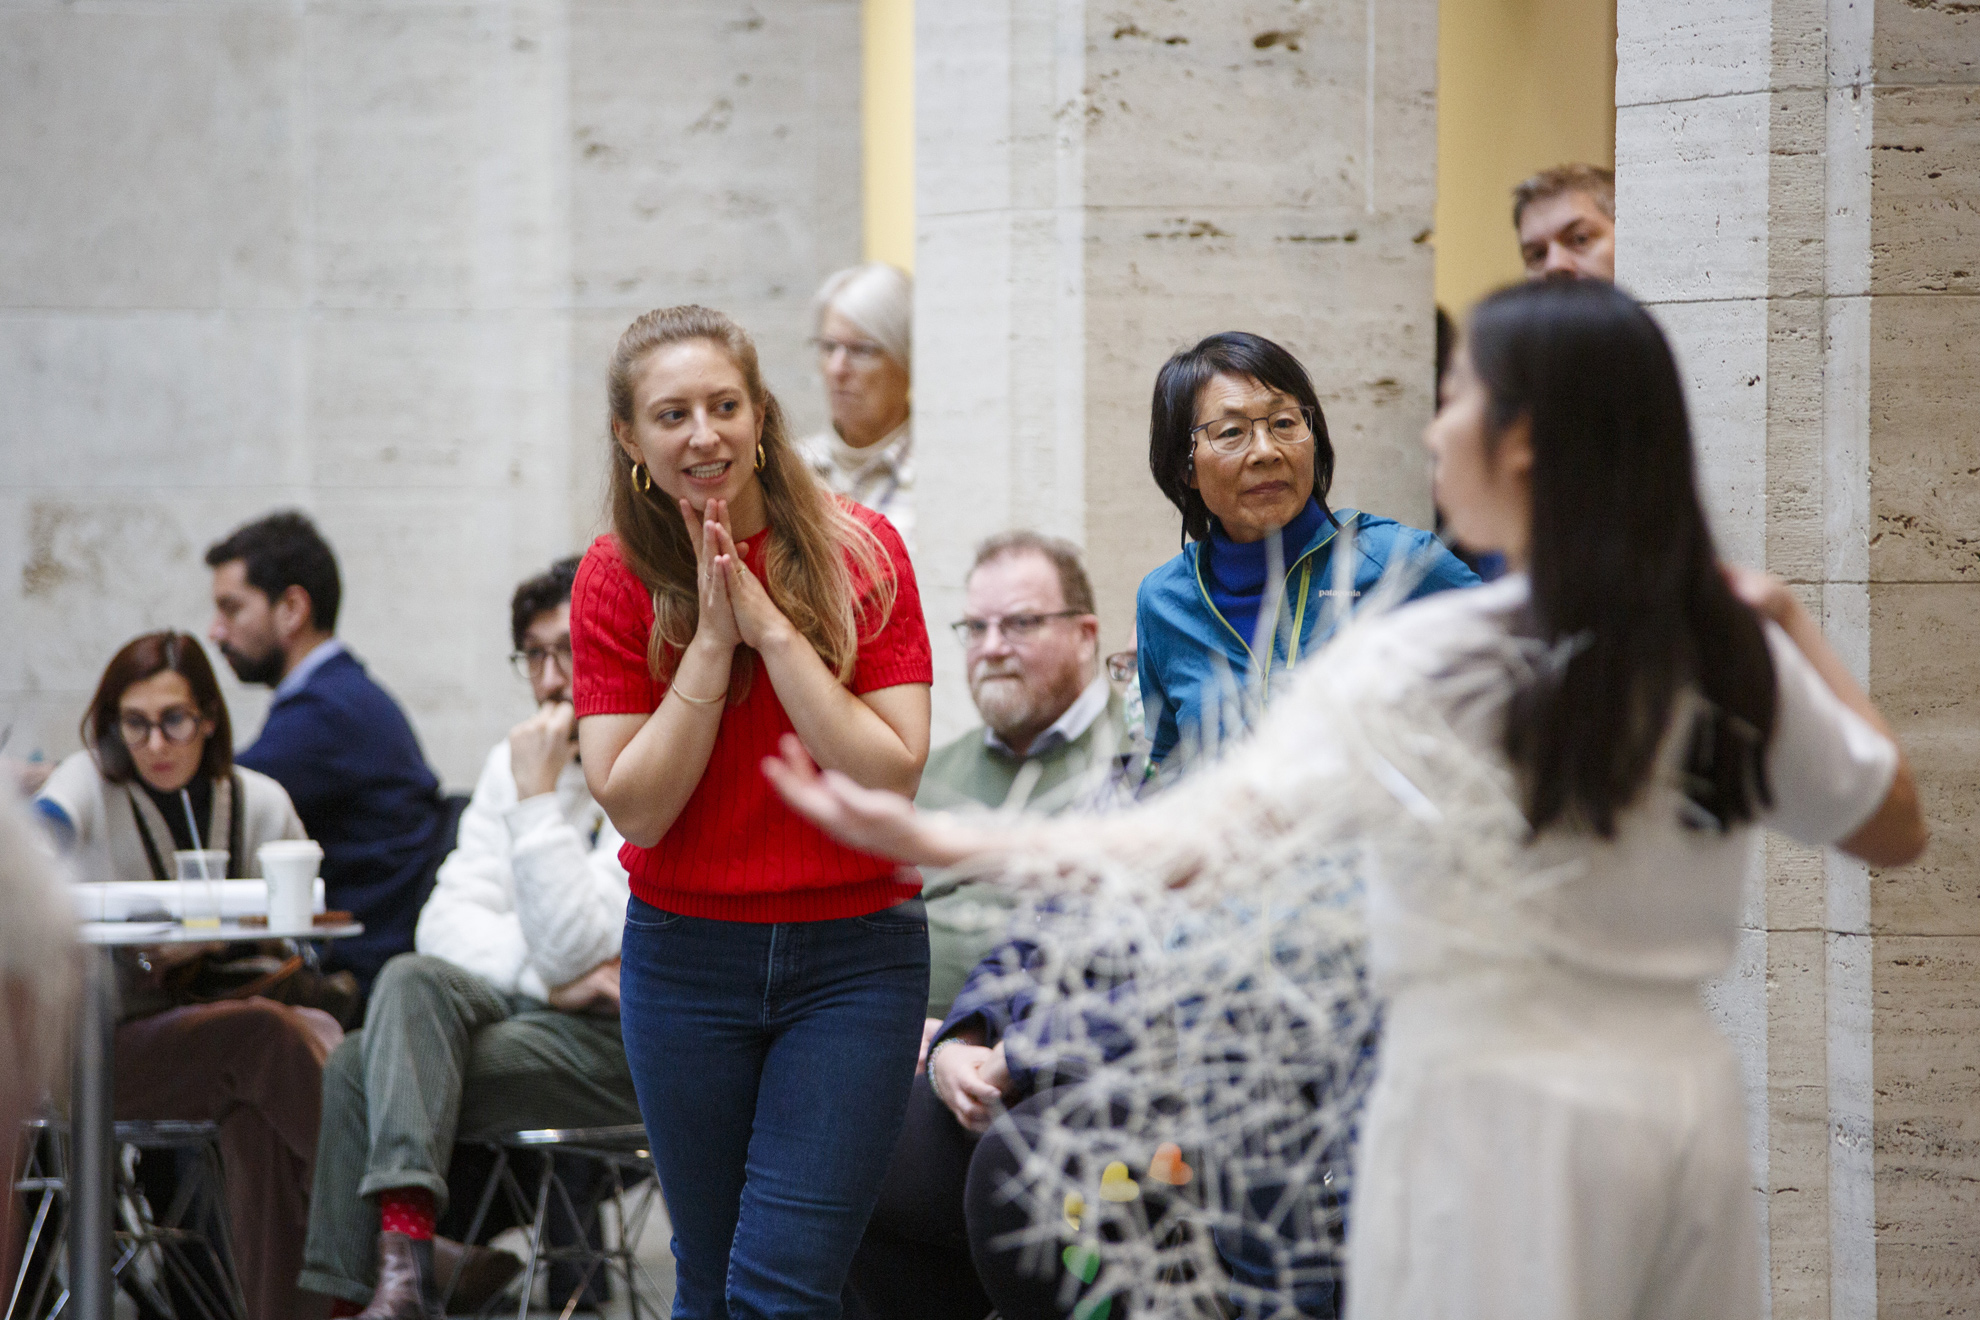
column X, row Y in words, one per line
column 92, row 1134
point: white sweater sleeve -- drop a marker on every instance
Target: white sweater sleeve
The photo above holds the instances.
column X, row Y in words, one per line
column 470, row 919
column 570, row 890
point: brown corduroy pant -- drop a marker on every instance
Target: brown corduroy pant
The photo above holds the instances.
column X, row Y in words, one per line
column 255, row 1067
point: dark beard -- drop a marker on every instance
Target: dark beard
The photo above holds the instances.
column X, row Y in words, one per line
column 265, row 669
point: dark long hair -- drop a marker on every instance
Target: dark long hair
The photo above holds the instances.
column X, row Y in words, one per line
column 142, row 658
column 1623, row 570
column 1183, row 377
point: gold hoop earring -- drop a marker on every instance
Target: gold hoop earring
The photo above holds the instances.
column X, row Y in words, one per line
column 641, row 479
column 759, row 456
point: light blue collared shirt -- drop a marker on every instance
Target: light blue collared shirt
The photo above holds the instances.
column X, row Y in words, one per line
column 293, row 681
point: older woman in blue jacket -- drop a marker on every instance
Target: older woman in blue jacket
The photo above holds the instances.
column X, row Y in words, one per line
column 1238, row 443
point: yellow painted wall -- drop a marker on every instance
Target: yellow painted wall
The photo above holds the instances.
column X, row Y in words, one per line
column 1521, row 85
column 887, row 122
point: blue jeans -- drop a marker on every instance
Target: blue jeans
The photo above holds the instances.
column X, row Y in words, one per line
column 773, row 1064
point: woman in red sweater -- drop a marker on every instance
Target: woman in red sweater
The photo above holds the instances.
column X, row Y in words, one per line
column 773, row 980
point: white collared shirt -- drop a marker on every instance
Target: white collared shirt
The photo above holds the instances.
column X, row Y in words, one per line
column 1077, row 719
column 880, row 476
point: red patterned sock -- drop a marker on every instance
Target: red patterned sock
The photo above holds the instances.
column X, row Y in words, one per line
column 339, row 1308
column 407, row 1210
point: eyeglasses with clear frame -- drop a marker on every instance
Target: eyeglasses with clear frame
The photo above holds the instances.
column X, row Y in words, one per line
column 860, row 352
column 1124, row 666
column 180, row 725
column 529, row 662
column 1231, row 434
column 1015, row 628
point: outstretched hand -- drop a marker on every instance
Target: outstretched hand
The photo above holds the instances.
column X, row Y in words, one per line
column 870, row 819
column 1765, row 594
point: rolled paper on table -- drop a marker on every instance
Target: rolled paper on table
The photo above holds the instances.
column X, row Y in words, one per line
column 153, row 900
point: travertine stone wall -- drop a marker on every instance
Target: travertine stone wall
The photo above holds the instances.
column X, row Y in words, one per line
column 367, row 258
column 1797, row 184
column 1099, row 185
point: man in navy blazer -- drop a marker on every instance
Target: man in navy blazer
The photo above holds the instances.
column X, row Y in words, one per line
column 334, row 739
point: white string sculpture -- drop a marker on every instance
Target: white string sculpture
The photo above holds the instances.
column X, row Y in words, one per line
column 1201, row 1018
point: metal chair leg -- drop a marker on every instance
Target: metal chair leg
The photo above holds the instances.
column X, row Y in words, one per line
column 474, row 1224
column 536, row 1238
column 41, row 1176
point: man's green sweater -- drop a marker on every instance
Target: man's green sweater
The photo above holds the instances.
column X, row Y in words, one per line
column 967, row 918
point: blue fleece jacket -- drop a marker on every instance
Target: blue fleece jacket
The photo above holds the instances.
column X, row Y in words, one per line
column 1197, row 667
column 350, row 762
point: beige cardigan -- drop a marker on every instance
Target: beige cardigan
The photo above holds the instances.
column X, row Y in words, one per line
column 108, row 846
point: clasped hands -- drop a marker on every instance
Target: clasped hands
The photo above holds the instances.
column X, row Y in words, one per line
column 970, row 1079
column 736, row 609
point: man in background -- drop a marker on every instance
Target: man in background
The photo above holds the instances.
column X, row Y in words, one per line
column 1566, row 221
column 1032, row 650
column 1052, row 728
column 506, row 1018
column 333, row 738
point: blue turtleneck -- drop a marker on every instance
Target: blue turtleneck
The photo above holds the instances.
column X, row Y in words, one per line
column 1237, row 571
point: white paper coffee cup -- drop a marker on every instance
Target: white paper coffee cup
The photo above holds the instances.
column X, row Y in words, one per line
column 290, row 866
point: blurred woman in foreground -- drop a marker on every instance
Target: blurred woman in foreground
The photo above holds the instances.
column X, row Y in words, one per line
column 37, row 987
column 1557, row 1126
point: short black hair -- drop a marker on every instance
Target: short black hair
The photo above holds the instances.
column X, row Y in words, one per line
column 284, row 550
column 546, row 591
column 1183, row 377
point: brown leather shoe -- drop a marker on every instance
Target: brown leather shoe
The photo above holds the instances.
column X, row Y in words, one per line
column 406, row 1287
column 478, row 1274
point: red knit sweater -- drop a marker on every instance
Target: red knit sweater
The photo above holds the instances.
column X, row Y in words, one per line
column 736, row 852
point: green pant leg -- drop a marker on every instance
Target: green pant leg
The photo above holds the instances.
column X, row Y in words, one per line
column 544, row 1069
column 424, row 1018
column 341, row 1250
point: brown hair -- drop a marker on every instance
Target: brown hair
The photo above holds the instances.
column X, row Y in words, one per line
column 1074, row 586
column 145, row 657
column 1599, row 185
column 811, row 535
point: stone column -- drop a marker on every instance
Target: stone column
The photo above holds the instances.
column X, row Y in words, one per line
column 1099, row 185
column 1796, row 186
column 366, row 259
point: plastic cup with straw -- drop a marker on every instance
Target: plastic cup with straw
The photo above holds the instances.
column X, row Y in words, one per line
column 197, row 867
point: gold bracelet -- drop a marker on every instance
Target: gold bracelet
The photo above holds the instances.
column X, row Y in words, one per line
column 699, row 701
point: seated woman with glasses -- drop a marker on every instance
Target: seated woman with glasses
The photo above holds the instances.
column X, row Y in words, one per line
column 157, row 775
column 1239, row 445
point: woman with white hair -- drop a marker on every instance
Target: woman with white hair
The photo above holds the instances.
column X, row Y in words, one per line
column 864, row 340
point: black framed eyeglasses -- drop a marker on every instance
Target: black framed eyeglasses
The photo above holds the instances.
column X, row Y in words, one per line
column 1231, row 434
column 529, row 662
column 1013, row 627
column 180, row 725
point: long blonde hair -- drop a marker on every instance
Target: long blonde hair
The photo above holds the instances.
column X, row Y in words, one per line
column 811, row 535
